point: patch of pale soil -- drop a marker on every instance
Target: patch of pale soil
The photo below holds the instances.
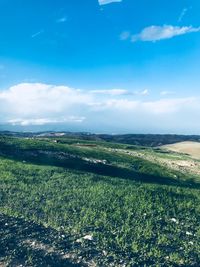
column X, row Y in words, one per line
column 190, row 148
column 47, row 249
column 190, row 166
column 39, row 245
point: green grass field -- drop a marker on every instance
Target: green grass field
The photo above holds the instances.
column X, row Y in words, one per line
column 76, row 203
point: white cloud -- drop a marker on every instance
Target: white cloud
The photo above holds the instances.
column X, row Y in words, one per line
column 103, row 110
column 158, row 107
column 41, row 103
column 168, row 106
column 115, row 104
column 105, row 2
column 156, row 33
column 61, row 20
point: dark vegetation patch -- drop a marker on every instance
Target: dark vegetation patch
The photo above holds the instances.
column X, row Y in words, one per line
column 44, row 152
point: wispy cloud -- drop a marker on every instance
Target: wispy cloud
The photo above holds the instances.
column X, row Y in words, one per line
column 120, row 92
column 156, row 33
column 164, row 93
column 36, row 34
column 143, row 93
column 105, row 2
column 2, row 67
column 125, row 35
column 112, row 92
column 183, row 12
column 61, row 20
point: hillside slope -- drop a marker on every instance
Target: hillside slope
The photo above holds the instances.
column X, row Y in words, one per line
column 74, row 202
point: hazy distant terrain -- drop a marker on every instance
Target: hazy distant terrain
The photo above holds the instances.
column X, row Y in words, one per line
column 150, row 140
column 77, row 200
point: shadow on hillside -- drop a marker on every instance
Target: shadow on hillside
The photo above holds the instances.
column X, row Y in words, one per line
column 25, row 243
column 69, row 161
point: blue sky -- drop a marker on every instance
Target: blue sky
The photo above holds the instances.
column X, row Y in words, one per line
column 100, row 66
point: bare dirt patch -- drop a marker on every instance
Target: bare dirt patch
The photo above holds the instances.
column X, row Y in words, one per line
column 26, row 244
column 190, row 148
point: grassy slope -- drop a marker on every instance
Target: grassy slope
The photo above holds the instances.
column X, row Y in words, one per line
column 132, row 222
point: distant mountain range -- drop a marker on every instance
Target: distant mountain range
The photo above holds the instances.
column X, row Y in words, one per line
column 150, row 140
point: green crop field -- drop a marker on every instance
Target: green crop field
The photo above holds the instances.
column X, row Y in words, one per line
column 73, row 202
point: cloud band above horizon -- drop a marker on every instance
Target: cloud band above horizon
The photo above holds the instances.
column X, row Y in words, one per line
column 43, row 104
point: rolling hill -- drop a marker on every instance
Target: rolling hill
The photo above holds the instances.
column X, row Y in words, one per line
column 69, row 201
